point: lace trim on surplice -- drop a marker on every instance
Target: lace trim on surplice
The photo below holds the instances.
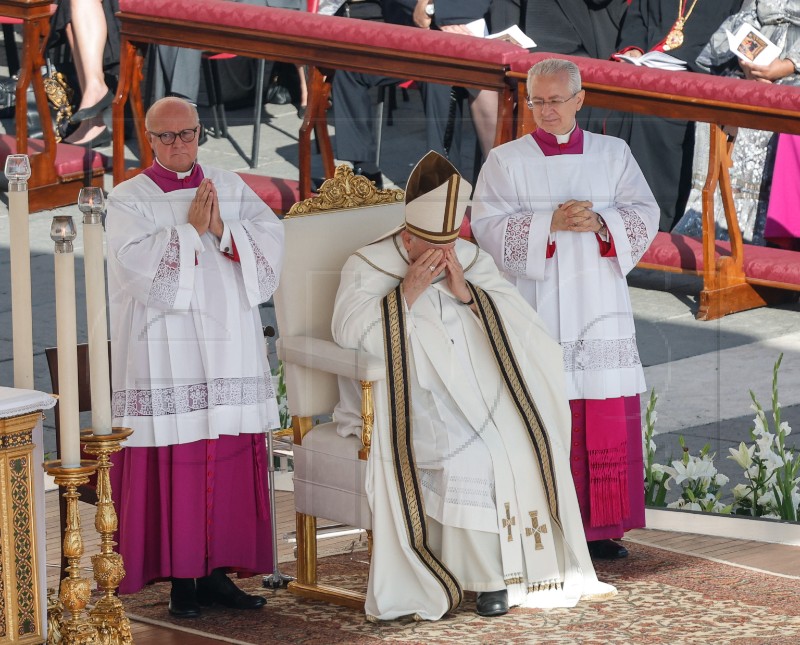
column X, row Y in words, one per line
column 581, row 355
column 250, row 390
column 165, row 284
column 515, row 248
column 636, row 232
column 267, row 281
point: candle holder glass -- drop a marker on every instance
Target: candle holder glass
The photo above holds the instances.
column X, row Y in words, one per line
column 18, row 171
column 76, row 628
column 108, row 614
column 62, row 232
column 92, row 204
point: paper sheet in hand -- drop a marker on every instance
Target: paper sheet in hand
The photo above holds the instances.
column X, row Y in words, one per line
column 749, row 44
column 513, row 34
column 658, row 60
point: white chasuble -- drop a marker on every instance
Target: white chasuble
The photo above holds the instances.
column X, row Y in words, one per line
column 477, row 465
column 581, row 296
column 188, row 358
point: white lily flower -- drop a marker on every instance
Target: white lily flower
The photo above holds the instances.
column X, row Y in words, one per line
column 759, row 424
column 785, row 428
column 764, row 442
column 739, row 491
column 658, row 469
column 772, row 461
column 767, row 499
column 720, row 479
column 743, row 456
column 695, row 470
column 685, row 505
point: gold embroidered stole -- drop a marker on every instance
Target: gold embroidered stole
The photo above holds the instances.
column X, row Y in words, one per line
column 401, row 440
column 518, row 389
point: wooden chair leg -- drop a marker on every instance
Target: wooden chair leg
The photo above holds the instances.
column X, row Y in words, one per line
column 725, row 286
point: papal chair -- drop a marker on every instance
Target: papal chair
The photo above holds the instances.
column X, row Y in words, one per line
column 329, row 470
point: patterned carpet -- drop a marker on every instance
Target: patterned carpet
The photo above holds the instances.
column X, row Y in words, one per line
column 663, row 598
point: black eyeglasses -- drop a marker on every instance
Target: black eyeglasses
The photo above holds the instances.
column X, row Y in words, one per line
column 168, row 138
column 539, row 104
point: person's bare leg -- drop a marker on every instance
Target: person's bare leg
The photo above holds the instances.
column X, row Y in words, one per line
column 89, row 35
column 483, row 108
column 301, row 73
column 76, row 55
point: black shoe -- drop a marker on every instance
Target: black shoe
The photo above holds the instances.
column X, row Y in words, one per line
column 100, row 140
column 183, row 598
column 219, row 588
column 492, row 603
column 607, row 550
column 373, row 174
column 301, row 111
column 93, row 110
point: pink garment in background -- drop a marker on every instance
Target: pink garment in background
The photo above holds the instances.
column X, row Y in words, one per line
column 783, row 214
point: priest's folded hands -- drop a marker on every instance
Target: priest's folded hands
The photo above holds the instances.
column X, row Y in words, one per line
column 204, row 209
column 576, row 216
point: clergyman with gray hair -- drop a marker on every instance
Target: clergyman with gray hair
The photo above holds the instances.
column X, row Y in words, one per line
column 566, row 214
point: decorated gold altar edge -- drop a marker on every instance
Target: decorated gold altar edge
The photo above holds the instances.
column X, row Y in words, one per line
column 21, row 517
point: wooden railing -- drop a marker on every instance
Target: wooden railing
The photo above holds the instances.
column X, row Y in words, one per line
column 327, row 44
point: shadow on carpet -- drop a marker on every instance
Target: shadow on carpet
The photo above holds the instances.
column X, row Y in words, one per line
column 663, row 598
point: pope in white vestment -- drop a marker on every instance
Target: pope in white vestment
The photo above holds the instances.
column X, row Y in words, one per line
column 192, row 252
column 468, row 475
column 566, row 214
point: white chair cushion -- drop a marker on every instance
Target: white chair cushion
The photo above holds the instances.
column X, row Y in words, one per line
column 329, row 477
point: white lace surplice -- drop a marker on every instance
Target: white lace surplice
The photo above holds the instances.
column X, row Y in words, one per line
column 187, row 341
column 582, row 297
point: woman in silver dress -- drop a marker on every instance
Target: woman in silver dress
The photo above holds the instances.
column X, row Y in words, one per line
column 754, row 150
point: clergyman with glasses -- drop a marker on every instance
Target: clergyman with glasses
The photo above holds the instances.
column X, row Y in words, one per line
column 192, row 252
column 566, row 214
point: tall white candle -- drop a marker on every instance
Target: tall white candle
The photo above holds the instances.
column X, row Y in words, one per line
column 91, row 203
column 63, row 232
column 17, row 171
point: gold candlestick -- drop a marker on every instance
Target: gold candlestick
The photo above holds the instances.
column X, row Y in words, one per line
column 108, row 615
column 75, row 591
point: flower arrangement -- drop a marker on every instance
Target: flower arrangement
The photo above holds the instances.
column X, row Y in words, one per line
column 700, row 483
column 655, row 475
column 771, row 471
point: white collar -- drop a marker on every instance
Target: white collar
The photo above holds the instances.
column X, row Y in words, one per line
column 564, row 138
column 180, row 175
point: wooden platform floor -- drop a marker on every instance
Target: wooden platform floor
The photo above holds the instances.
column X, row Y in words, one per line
column 774, row 558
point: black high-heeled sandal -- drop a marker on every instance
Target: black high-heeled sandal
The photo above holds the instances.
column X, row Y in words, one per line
column 102, row 138
column 93, row 110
